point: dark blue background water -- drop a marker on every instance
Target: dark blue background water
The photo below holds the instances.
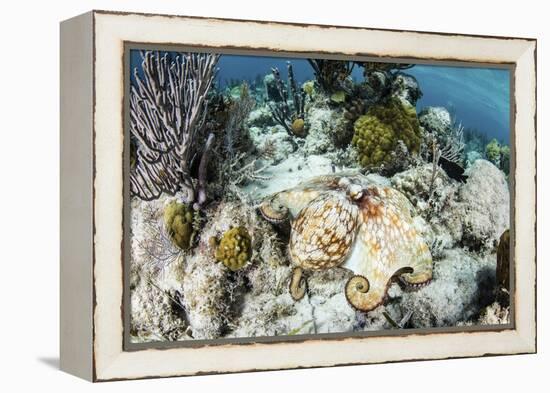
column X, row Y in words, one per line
column 478, row 97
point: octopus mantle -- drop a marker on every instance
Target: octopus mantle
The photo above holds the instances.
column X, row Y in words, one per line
column 343, row 220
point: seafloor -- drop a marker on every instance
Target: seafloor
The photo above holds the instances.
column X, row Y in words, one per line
column 195, row 291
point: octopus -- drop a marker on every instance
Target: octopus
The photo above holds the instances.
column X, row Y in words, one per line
column 347, row 222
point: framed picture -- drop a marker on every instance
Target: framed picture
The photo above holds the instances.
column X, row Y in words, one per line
column 244, row 195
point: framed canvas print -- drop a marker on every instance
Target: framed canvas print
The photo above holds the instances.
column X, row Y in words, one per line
column 303, row 196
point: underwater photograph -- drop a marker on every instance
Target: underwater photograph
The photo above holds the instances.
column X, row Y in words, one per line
column 281, row 196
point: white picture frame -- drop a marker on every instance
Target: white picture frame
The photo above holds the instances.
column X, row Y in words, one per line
column 92, row 198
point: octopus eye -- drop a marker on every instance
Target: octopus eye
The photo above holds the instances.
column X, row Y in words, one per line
column 274, row 213
column 355, row 191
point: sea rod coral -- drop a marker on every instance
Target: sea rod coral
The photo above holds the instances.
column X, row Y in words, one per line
column 331, row 76
column 290, row 116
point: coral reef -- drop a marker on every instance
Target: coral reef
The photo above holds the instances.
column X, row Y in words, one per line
column 236, row 159
column 446, row 151
column 309, row 88
column 374, row 66
column 377, row 135
column 273, row 144
column 323, row 130
column 473, row 214
column 260, row 117
column 462, row 285
column 332, row 76
column 234, row 250
column 338, row 97
column 435, row 200
column 212, row 293
column 354, row 108
column 386, row 80
column 492, row 151
column 298, row 127
column 269, row 207
column 234, row 133
column 271, row 88
column 472, row 156
column 157, row 314
column 476, row 141
column 486, row 203
column 495, row 314
column 405, row 88
column 436, row 120
column 207, row 293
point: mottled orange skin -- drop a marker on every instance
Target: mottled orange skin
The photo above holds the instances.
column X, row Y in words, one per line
column 344, row 221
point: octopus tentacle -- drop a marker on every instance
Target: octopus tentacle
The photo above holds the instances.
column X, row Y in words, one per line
column 421, row 264
column 387, row 245
column 298, row 284
column 284, row 205
column 412, row 285
column 363, row 296
column 419, row 277
column 356, row 289
column 273, row 212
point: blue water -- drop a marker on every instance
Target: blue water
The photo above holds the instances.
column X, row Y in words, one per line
column 478, row 97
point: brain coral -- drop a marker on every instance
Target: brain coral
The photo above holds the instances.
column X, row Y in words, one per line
column 235, row 248
column 378, row 132
column 178, row 219
column 298, row 127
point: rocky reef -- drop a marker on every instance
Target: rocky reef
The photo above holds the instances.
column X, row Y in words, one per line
column 277, row 208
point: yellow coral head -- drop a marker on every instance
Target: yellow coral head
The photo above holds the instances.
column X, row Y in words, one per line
column 298, row 127
column 309, row 88
column 377, row 133
column 235, row 248
column 178, row 221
